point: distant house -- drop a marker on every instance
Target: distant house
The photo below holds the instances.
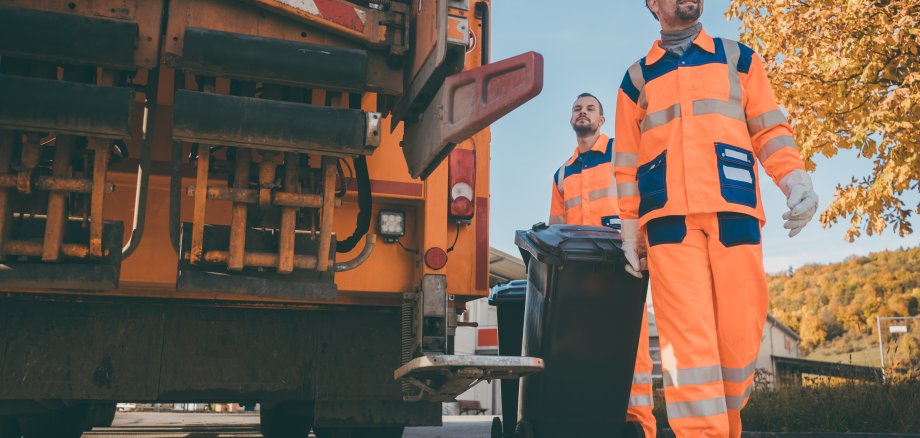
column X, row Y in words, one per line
column 778, row 340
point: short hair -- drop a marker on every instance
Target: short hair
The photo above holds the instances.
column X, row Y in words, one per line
column 650, row 10
column 599, row 104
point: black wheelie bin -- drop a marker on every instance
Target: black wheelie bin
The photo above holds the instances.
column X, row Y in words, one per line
column 583, row 314
column 508, row 299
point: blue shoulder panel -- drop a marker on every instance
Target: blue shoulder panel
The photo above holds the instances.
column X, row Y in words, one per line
column 629, row 89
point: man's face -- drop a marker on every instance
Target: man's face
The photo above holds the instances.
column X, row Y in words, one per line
column 677, row 12
column 586, row 116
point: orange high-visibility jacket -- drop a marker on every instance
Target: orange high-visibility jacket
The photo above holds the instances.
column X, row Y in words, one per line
column 691, row 129
column 584, row 191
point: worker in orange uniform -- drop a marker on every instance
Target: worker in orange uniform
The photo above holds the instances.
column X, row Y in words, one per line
column 585, row 193
column 694, row 118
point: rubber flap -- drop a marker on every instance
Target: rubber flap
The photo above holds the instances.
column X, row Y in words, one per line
column 562, row 243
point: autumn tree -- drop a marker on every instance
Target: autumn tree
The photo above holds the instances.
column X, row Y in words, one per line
column 848, row 73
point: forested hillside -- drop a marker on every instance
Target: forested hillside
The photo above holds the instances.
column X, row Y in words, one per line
column 833, row 307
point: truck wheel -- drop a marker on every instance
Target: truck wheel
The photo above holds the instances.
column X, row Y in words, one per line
column 68, row 422
column 9, row 427
column 285, row 421
column 497, row 431
column 100, row 415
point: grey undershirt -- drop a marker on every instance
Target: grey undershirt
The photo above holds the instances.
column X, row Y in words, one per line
column 678, row 41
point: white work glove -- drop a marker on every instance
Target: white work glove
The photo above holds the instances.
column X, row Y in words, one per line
column 801, row 200
column 633, row 248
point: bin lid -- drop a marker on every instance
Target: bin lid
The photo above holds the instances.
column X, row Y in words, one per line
column 512, row 291
column 561, row 243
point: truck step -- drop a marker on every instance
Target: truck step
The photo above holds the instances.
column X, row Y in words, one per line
column 444, row 377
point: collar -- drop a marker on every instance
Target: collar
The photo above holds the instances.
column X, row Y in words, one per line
column 600, row 146
column 703, row 41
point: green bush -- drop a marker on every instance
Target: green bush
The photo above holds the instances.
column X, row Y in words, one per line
column 852, row 407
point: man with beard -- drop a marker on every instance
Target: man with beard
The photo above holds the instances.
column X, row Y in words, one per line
column 585, row 193
column 693, row 119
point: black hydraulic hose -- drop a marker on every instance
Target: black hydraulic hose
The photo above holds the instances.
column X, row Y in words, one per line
column 482, row 11
column 365, row 205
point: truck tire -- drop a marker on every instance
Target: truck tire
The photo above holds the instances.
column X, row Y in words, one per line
column 100, row 415
column 285, row 421
column 9, row 427
column 68, row 422
column 359, row 432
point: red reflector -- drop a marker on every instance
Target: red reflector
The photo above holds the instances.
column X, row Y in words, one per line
column 435, row 258
column 488, row 337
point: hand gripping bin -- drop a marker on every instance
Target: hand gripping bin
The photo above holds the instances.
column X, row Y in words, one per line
column 582, row 316
column 508, row 299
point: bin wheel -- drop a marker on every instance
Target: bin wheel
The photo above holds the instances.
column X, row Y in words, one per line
column 9, row 427
column 633, row 429
column 68, row 422
column 523, row 430
column 497, row 431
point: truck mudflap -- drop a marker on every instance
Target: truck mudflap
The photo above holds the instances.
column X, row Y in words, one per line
column 467, row 103
column 444, row 377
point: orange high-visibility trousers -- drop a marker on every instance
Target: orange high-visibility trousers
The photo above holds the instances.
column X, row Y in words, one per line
column 710, row 295
column 641, row 401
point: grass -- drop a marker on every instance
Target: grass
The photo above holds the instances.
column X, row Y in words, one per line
column 851, row 407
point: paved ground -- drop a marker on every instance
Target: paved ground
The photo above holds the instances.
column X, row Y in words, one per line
column 246, row 425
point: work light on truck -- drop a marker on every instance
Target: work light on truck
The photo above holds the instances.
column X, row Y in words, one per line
column 392, row 225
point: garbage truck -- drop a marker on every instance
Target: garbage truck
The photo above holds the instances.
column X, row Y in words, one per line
column 255, row 201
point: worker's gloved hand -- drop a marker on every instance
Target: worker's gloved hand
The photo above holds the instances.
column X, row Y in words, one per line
column 633, row 248
column 801, row 200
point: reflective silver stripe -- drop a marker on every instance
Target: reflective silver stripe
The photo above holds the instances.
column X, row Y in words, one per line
column 556, row 220
column 628, row 189
column 774, row 145
column 605, row 192
column 716, row 106
column 700, row 408
column 732, row 107
column 766, row 120
column 638, row 81
column 625, row 159
column 660, row 118
column 692, row 376
column 636, row 401
column 642, row 379
column 735, row 402
column 560, row 177
column 572, row 203
column 739, row 375
column 732, row 55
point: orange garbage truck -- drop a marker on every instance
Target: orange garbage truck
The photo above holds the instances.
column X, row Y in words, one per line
column 256, row 201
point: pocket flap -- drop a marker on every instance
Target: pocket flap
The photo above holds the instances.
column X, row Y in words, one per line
column 734, row 155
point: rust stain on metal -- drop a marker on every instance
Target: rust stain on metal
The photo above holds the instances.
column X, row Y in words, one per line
column 6, row 155
column 201, row 200
column 238, row 213
column 97, row 203
column 325, row 227
column 31, row 151
column 288, row 215
column 54, row 224
column 261, row 259
column 34, row 249
column 55, row 184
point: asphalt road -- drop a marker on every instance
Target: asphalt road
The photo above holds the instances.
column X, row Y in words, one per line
column 246, row 425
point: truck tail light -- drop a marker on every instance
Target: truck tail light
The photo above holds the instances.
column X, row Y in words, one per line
column 462, row 183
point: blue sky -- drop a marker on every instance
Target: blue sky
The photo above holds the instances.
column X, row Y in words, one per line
column 587, row 45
